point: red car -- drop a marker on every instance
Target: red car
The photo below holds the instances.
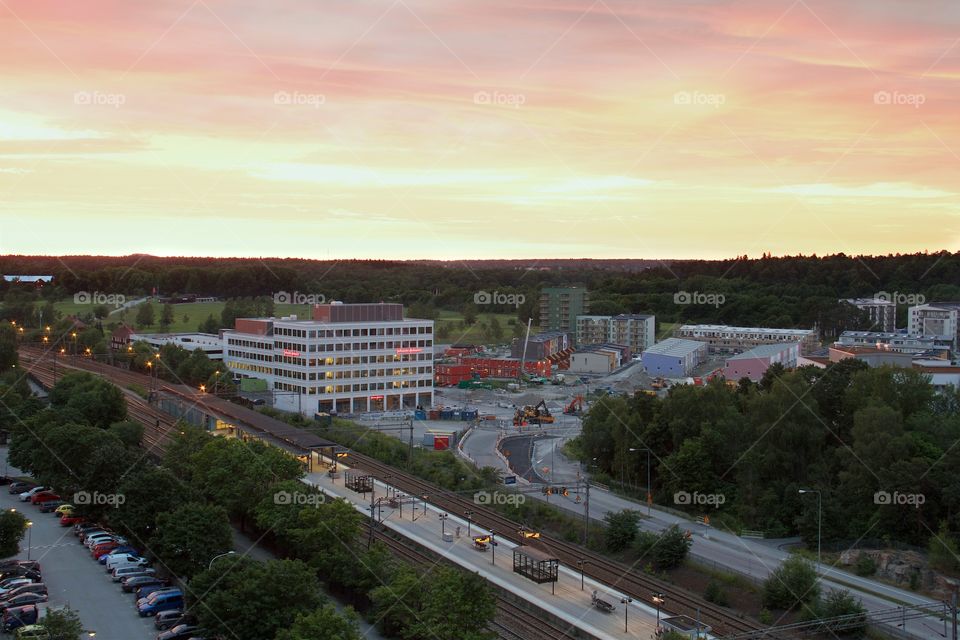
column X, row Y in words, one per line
column 67, row 519
column 102, row 548
column 43, row 496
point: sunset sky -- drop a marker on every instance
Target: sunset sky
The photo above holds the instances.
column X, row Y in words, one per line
column 444, row 129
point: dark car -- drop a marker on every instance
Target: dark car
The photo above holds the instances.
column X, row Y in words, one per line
column 179, row 632
column 26, row 564
column 169, row 619
column 50, row 505
column 83, row 526
column 143, row 592
column 5, row 479
column 20, row 487
column 16, row 617
column 23, row 599
column 20, row 572
column 132, row 583
column 36, row 587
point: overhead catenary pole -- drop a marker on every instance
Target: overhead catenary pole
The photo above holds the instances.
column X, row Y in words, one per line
column 523, row 356
column 586, row 513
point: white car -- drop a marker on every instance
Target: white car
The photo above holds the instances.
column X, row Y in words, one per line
column 26, row 495
column 94, row 540
column 125, row 560
column 121, row 572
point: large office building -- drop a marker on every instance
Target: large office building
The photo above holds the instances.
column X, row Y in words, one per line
column 347, row 358
column 674, row 357
column 560, row 306
column 882, row 313
column 935, row 319
column 899, row 342
column 634, row 330
column 725, row 339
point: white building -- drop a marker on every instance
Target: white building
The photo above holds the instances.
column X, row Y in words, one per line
column 600, row 358
column 935, row 319
column 637, row 331
column 348, row 358
column 726, row 339
column 892, row 341
column 882, row 313
column 209, row 343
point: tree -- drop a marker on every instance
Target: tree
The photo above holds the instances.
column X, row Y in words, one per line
column 664, row 551
column 89, row 398
column 148, row 491
column 210, row 325
column 792, row 584
column 13, row 526
column 166, row 316
column 145, row 315
column 62, row 624
column 469, row 312
column 621, row 529
column 323, row 623
column 128, row 432
column 188, row 537
column 496, row 330
column 839, row 603
column 247, row 600
column 101, row 311
column 8, row 347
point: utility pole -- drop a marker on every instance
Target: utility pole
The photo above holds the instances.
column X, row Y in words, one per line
column 586, row 513
column 523, row 357
column 953, row 611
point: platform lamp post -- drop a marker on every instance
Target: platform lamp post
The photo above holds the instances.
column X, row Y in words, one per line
column 658, row 600
column 29, row 538
column 580, row 564
column 626, row 608
column 819, row 519
column 469, row 521
column 493, row 548
column 443, row 523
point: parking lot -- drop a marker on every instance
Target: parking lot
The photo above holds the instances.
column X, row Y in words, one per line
column 74, row 578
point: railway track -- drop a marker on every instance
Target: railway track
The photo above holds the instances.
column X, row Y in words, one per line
column 510, row 622
column 635, row 584
column 158, row 428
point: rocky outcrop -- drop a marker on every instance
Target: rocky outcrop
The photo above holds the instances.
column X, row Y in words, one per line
column 899, row 567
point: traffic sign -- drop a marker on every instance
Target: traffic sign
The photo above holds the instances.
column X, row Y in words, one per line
column 509, row 479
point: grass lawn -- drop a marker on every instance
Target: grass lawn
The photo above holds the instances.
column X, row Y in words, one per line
column 474, row 334
column 195, row 313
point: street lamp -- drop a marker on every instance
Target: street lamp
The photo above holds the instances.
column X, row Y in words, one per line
column 29, row 538
column 626, row 608
column 580, row 564
column 203, row 388
column 649, row 488
column 658, row 600
column 443, row 524
column 493, row 548
column 469, row 522
column 222, row 555
column 819, row 519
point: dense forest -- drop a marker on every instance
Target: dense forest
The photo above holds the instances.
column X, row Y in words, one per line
column 879, row 444
column 771, row 291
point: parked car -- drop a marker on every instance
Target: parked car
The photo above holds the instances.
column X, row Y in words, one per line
column 24, row 564
column 33, row 587
column 179, row 632
column 64, row 508
column 83, row 526
column 68, row 519
column 132, row 570
column 104, row 548
column 16, row 617
column 117, row 551
column 32, row 632
column 91, row 541
column 91, row 531
column 124, row 560
column 22, row 599
column 160, row 601
column 19, row 487
column 10, row 584
column 5, row 479
column 44, row 496
column 169, row 619
column 29, row 493
column 50, row 506
column 144, row 592
column 131, row 583
column 20, row 572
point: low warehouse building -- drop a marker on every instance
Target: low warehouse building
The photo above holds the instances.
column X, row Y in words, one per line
column 754, row 363
column 600, row 358
column 674, row 357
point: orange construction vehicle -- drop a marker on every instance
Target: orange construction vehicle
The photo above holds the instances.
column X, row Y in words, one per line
column 575, row 407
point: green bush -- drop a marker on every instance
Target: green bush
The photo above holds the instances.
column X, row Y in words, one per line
column 715, row 593
column 865, row 566
column 791, row 584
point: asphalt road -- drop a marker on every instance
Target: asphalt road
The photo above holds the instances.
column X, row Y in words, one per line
column 74, row 578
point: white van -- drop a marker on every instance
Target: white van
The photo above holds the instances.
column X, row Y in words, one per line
column 124, row 559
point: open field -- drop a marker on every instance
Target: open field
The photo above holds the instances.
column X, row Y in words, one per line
column 474, row 334
column 195, row 313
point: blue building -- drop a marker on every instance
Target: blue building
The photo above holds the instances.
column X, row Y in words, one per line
column 674, row 357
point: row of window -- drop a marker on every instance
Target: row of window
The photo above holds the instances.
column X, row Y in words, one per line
column 361, row 373
column 345, row 333
column 351, row 388
column 331, row 361
column 352, row 346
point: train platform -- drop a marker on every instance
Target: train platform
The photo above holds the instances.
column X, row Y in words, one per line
column 569, row 599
